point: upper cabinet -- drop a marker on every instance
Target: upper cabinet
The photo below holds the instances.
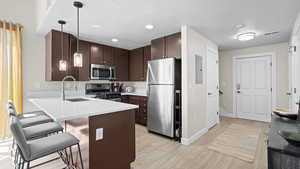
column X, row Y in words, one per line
column 169, row 46
column 147, row 57
column 54, row 54
column 136, row 62
column 173, row 45
column 108, row 52
column 158, row 49
column 96, row 54
column 121, row 61
column 84, row 71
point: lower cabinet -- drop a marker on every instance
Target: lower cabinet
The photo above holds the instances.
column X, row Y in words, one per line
column 141, row 113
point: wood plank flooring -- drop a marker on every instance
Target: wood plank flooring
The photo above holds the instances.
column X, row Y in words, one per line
column 156, row 152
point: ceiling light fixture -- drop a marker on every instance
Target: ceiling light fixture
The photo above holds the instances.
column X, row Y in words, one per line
column 62, row 62
column 149, row 26
column 246, row 36
column 115, row 40
column 78, row 60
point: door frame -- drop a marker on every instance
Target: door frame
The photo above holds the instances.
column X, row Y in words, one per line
column 273, row 80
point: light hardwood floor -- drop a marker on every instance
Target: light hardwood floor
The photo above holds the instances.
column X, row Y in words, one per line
column 156, row 152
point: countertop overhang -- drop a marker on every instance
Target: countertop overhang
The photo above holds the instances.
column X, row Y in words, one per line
column 61, row 110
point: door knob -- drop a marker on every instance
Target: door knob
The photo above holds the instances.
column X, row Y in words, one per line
column 238, row 91
column 209, row 94
column 289, row 93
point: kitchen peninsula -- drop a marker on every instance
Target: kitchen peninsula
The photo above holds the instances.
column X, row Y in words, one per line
column 106, row 129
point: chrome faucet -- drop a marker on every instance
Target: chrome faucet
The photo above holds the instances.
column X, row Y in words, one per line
column 63, row 86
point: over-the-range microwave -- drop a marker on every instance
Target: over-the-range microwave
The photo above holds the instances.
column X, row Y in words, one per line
column 102, row 72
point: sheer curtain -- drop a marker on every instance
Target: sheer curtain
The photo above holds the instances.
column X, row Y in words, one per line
column 11, row 81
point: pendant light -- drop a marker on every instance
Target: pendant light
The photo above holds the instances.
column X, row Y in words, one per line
column 62, row 62
column 77, row 55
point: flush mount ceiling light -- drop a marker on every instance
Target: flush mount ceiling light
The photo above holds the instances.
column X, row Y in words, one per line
column 246, row 36
column 62, row 62
column 77, row 55
column 149, row 26
column 115, row 40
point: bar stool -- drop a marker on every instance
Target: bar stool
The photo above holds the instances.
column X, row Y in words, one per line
column 35, row 149
column 30, row 118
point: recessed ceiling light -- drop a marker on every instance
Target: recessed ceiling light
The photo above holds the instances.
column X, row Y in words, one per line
column 149, row 26
column 246, row 36
column 96, row 26
column 114, row 39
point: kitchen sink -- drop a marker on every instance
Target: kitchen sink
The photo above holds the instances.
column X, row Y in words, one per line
column 77, row 100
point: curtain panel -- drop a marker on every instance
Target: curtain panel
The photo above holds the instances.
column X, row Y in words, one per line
column 11, row 79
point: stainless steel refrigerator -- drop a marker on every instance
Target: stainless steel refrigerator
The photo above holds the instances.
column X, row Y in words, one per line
column 164, row 97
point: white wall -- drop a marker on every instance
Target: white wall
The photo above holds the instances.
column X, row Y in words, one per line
column 193, row 95
column 281, row 52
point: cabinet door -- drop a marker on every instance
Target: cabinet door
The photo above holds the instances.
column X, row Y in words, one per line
column 54, row 54
column 84, row 71
column 96, row 54
column 136, row 62
column 147, row 57
column 121, row 63
column 173, row 45
column 158, row 48
column 108, row 55
column 135, row 100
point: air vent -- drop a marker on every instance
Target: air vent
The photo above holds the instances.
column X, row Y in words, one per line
column 271, row 33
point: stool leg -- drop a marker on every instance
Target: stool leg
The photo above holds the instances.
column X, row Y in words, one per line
column 28, row 165
column 71, row 154
column 80, row 156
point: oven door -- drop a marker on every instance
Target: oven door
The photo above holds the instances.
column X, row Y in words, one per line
column 100, row 72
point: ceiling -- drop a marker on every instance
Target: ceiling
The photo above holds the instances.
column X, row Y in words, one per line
column 215, row 19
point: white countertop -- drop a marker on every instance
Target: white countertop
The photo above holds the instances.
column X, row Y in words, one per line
column 61, row 110
column 138, row 93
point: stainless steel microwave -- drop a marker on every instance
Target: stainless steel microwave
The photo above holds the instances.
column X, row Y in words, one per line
column 102, row 72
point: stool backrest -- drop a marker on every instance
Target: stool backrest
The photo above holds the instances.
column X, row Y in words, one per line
column 11, row 109
column 19, row 136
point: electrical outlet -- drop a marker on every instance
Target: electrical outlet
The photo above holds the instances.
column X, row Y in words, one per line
column 99, row 134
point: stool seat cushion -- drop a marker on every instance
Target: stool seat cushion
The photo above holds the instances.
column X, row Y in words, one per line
column 51, row 144
column 31, row 114
column 30, row 121
column 41, row 130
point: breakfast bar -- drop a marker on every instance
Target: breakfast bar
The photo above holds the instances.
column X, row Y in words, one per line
column 106, row 129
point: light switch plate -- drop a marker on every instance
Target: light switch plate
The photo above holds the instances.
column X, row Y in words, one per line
column 99, row 134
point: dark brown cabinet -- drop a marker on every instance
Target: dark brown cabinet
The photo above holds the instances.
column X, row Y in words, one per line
column 147, row 57
column 141, row 113
column 108, row 55
column 84, row 71
column 96, row 54
column 136, row 62
column 54, row 54
column 158, row 49
column 121, row 60
column 169, row 46
column 173, row 45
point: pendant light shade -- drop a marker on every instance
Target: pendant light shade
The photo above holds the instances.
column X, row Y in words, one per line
column 78, row 57
column 62, row 62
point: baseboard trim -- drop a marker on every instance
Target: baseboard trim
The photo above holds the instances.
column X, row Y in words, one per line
column 231, row 115
column 196, row 136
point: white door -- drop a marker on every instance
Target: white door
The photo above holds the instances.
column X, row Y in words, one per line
column 212, row 88
column 297, row 73
column 253, row 88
